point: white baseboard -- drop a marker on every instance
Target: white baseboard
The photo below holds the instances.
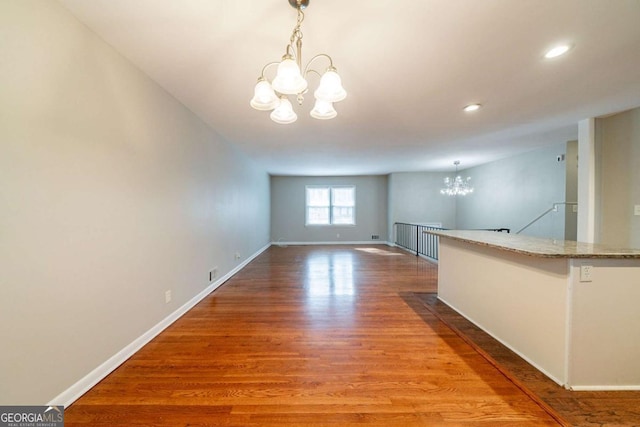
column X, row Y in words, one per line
column 70, row 395
column 366, row 242
column 605, row 388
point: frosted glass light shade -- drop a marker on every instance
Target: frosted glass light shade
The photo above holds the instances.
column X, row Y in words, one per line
column 323, row 110
column 264, row 98
column 284, row 113
column 330, row 88
column 289, row 81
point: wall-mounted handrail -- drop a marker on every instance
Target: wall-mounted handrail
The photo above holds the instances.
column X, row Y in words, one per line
column 553, row 208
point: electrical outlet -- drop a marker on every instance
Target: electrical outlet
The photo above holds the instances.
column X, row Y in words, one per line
column 167, row 296
column 586, row 273
column 237, row 255
column 213, row 274
column 575, row 208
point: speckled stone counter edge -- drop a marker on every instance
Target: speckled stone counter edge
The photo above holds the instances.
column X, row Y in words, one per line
column 534, row 246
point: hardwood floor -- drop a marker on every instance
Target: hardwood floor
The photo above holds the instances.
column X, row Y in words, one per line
column 312, row 336
column 579, row 408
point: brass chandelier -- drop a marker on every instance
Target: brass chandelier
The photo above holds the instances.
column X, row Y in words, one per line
column 290, row 79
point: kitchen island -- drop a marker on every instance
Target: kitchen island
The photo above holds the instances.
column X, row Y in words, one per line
column 570, row 309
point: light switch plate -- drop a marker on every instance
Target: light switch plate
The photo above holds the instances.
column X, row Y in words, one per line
column 636, row 210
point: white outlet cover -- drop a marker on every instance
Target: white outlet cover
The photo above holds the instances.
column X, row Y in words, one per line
column 586, row 273
column 636, row 210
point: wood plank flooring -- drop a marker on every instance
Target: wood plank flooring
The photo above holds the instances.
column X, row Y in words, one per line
column 579, row 408
column 312, row 336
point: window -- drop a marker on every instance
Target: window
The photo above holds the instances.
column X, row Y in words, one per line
column 331, row 205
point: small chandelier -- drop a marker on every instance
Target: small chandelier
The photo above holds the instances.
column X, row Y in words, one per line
column 289, row 80
column 457, row 186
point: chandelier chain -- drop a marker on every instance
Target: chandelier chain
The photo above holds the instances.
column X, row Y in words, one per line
column 297, row 32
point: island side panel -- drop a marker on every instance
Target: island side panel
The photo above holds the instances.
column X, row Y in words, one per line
column 605, row 338
column 520, row 300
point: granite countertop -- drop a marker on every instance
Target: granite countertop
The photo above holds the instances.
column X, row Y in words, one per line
column 535, row 246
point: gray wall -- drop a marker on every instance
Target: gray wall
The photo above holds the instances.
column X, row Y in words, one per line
column 414, row 197
column 618, row 166
column 511, row 192
column 111, row 192
column 288, row 210
column 508, row 193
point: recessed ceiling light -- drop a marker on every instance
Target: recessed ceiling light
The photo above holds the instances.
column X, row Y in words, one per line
column 472, row 107
column 557, row 51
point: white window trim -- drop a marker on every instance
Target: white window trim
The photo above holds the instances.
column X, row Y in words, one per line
column 331, row 224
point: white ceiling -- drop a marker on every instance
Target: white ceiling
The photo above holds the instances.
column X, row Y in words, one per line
column 409, row 67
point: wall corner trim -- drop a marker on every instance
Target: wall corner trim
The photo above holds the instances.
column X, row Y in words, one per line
column 76, row 390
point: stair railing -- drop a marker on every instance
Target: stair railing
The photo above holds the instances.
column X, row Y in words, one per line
column 553, row 208
column 413, row 238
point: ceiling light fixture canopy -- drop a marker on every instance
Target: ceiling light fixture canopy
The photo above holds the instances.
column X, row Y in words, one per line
column 457, row 186
column 290, row 79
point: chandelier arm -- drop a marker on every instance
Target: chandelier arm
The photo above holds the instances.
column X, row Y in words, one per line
column 265, row 68
column 306, row 69
column 312, row 71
